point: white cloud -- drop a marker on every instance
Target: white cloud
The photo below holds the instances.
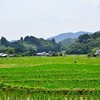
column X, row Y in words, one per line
column 94, row 3
column 67, row 17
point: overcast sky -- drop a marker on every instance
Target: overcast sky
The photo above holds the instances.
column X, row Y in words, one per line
column 46, row 18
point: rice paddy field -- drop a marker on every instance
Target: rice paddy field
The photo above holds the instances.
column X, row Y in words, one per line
column 50, row 78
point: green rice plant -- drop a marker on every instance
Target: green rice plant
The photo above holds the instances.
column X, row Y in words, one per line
column 23, row 74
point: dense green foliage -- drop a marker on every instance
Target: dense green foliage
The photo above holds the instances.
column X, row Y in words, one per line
column 66, row 43
column 85, row 44
column 28, row 46
column 53, row 78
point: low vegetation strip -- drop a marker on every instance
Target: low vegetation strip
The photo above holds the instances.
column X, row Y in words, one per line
column 34, row 61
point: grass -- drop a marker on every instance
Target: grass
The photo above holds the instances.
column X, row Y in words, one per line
column 50, row 76
column 53, row 76
column 34, row 61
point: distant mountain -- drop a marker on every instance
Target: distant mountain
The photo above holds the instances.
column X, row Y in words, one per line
column 71, row 35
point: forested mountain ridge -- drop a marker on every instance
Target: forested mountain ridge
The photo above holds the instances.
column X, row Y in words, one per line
column 85, row 44
column 28, row 45
column 67, row 42
column 71, row 35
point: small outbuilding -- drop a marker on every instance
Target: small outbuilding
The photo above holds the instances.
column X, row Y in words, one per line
column 44, row 54
column 6, row 55
column 1, row 54
column 97, row 53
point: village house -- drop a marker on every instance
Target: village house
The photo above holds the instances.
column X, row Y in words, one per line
column 97, row 52
column 44, row 54
column 6, row 55
column 3, row 55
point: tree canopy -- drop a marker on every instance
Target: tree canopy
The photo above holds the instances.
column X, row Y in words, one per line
column 85, row 44
column 28, row 45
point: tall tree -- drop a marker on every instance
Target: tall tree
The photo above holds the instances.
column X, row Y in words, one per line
column 4, row 41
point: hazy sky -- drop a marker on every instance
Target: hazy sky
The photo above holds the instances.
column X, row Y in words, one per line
column 46, row 18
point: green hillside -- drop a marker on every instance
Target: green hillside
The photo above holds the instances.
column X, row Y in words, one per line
column 85, row 44
column 67, row 42
column 28, row 45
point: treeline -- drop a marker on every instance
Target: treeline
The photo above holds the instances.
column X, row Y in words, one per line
column 85, row 44
column 28, row 46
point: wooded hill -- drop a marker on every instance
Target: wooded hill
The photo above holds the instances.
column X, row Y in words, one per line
column 85, row 44
column 28, row 46
column 71, row 35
